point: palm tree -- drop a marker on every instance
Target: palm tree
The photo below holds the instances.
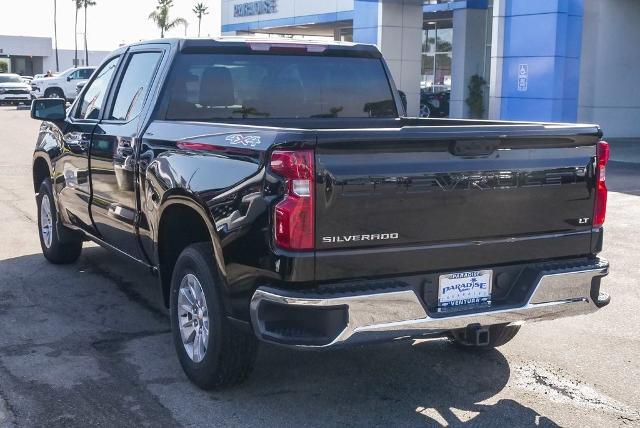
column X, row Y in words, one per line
column 55, row 31
column 161, row 17
column 200, row 10
column 86, row 4
column 75, row 32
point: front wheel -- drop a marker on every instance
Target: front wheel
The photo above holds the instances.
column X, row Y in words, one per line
column 54, row 93
column 59, row 244
column 213, row 352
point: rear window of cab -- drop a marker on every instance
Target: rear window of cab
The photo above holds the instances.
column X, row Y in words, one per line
column 207, row 87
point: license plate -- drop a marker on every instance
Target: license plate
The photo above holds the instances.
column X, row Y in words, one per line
column 464, row 288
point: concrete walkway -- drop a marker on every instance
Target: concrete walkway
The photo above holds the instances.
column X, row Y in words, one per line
column 625, row 150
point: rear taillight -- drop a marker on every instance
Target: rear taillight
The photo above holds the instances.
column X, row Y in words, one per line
column 602, row 157
column 293, row 216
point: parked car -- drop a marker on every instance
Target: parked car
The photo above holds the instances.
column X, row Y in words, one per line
column 277, row 200
column 62, row 85
column 434, row 104
column 13, row 89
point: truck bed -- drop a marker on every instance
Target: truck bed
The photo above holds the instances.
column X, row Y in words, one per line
column 441, row 193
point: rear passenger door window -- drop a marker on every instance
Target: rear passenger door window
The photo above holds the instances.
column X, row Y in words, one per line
column 93, row 99
column 134, row 85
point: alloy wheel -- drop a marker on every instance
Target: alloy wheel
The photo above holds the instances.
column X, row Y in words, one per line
column 193, row 318
column 46, row 221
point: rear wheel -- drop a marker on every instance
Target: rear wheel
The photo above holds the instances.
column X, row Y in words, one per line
column 499, row 334
column 59, row 244
column 213, row 352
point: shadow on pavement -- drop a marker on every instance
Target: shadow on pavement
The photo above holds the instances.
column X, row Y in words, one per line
column 397, row 384
column 623, row 177
column 98, row 340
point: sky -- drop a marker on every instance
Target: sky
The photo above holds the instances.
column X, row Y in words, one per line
column 110, row 22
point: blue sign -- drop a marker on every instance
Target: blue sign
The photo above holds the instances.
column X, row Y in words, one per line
column 252, row 8
column 523, row 77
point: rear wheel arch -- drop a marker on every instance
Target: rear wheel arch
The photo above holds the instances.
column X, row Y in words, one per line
column 182, row 222
column 41, row 171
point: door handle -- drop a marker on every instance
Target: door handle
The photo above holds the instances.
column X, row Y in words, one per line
column 84, row 143
column 125, row 148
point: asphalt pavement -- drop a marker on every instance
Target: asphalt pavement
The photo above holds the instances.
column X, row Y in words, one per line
column 89, row 344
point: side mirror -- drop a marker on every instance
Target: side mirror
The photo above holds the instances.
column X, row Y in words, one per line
column 68, row 78
column 48, row 109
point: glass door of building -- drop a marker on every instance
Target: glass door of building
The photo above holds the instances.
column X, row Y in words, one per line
column 437, row 50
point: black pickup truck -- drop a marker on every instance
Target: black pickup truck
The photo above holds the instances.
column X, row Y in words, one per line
column 279, row 194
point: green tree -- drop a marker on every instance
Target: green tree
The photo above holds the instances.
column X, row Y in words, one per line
column 86, row 4
column 475, row 100
column 200, row 10
column 161, row 17
column 78, row 4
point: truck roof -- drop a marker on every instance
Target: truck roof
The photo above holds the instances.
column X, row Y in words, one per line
column 235, row 43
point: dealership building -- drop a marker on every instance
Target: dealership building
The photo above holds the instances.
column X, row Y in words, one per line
column 28, row 56
column 547, row 60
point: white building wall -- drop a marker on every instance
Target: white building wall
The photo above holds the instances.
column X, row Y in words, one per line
column 469, row 40
column 610, row 67
column 400, row 41
column 25, row 46
column 66, row 57
column 42, row 47
column 497, row 59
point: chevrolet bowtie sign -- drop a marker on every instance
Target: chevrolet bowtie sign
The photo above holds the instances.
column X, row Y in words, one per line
column 252, row 8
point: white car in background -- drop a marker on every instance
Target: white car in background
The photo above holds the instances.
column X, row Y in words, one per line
column 63, row 85
column 13, row 89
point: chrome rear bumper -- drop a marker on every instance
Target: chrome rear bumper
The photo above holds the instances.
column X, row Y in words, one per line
column 394, row 313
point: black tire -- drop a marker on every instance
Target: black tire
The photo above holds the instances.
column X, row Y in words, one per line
column 230, row 352
column 64, row 245
column 499, row 334
column 54, row 93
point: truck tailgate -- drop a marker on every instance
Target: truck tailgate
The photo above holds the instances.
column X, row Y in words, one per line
column 431, row 198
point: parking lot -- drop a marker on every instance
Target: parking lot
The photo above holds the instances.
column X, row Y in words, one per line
column 89, row 344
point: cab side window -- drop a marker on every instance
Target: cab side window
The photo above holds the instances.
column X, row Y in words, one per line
column 135, row 85
column 93, row 99
column 84, row 73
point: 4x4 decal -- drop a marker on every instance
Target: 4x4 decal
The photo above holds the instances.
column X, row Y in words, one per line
column 244, row 140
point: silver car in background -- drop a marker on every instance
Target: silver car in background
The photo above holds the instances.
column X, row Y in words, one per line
column 13, row 89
